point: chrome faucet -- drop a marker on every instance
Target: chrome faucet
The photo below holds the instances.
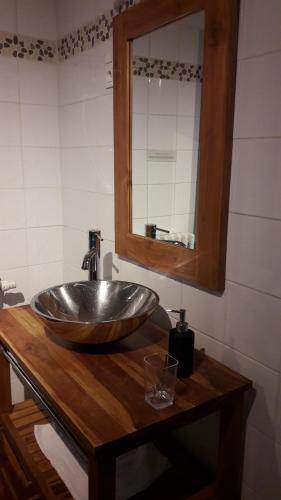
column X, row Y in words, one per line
column 91, row 260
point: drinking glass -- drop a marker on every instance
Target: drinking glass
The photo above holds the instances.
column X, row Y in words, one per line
column 160, row 375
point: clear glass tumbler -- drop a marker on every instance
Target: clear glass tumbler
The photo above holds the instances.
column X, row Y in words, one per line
column 160, row 375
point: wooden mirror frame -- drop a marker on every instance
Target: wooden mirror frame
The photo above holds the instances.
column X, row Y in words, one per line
column 205, row 265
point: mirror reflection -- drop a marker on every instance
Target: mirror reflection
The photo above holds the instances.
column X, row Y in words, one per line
column 166, row 93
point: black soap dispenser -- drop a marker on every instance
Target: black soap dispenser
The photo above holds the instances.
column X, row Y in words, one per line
column 181, row 345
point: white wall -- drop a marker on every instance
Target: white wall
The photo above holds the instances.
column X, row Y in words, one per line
column 242, row 327
column 30, row 179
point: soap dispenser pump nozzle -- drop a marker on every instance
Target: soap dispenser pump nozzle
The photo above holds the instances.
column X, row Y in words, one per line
column 182, row 325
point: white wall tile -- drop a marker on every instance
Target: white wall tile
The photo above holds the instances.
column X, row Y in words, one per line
column 39, row 125
column 83, row 77
column 72, row 14
column 72, row 125
column 11, row 172
column 189, row 98
column 38, row 83
column 186, row 166
column 9, row 124
column 37, row 18
column 139, row 131
column 13, row 249
column 190, row 45
column 102, row 6
column 274, row 483
column 139, row 195
column 260, row 32
column 185, row 197
column 258, row 461
column 208, row 345
column 75, row 245
column 127, row 271
column 41, row 167
column 89, row 169
column 162, row 132
column 168, row 290
column 161, row 172
column 99, row 121
column 103, row 160
column 141, row 46
column 253, row 324
column 44, row 245
column 109, row 261
column 205, row 311
column 256, row 177
column 163, row 97
column 164, row 43
column 9, row 89
column 160, row 199
column 138, row 226
column 164, row 222
column 74, row 274
column 187, row 132
column 258, row 107
column 44, row 276
column 12, row 214
column 140, row 94
column 180, row 223
column 43, row 207
column 254, row 249
column 139, row 166
column 8, row 15
column 84, row 210
column 266, row 385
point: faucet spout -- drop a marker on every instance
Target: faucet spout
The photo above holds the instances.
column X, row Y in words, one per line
column 91, row 259
column 91, row 254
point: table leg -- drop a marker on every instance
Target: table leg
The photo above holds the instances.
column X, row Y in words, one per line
column 102, row 472
column 5, row 384
column 231, row 449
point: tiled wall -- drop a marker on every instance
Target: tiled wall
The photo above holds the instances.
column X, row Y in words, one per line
column 241, row 327
column 30, row 179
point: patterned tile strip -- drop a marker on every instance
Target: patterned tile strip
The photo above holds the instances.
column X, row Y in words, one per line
column 93, row 33
column 25, row 47
column 169, row 70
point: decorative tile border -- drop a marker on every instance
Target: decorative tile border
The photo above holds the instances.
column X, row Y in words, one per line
column 76, row 42
column 169, row 70
column 37, row 49
column 93, row 33
column 25, row 47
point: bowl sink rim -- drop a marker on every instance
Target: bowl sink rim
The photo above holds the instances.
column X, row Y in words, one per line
column 75, row 322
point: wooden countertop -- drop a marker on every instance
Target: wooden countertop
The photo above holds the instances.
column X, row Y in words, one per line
column 100, row 395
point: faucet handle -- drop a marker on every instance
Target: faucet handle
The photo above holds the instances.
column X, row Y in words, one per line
column 94, row 234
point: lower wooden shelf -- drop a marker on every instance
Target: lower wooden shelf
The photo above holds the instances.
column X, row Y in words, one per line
column 25, row 472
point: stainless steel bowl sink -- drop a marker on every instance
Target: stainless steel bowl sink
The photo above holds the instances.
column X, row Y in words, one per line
column 94, row 312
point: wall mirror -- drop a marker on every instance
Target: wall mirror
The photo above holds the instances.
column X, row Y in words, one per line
column 174, row 81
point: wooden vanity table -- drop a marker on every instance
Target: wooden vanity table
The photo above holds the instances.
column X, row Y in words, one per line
column 99, row 399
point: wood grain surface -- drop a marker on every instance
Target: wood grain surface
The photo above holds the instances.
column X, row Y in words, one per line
column 100, row 394
column 205, row 265
column 24, row 470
